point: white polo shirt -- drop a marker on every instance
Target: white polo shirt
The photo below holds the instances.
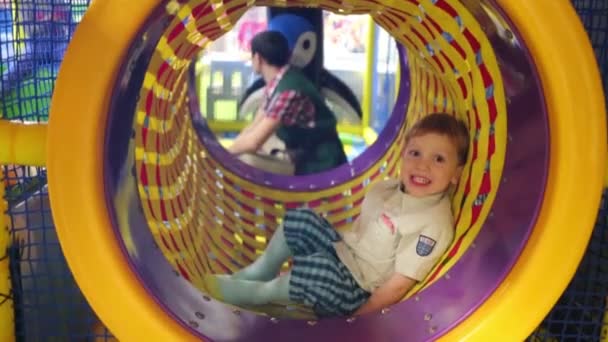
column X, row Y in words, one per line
column 396, row 232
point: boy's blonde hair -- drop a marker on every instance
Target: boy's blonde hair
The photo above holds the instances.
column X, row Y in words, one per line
column 443, row 124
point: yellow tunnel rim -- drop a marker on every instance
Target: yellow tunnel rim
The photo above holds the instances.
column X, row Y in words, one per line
column 101, row 245
column 136, row 233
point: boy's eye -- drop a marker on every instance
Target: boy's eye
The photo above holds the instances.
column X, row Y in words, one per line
column 439, row 159
column 413, row 153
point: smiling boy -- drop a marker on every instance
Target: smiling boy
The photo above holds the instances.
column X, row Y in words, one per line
column 405, row 226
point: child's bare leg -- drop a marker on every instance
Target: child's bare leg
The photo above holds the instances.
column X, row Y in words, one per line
column 267, row 265
column 248, row 292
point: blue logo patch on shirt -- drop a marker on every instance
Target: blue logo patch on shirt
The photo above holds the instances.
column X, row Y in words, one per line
column 425, row 245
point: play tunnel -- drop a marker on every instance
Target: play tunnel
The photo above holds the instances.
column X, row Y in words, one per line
column 146, row 201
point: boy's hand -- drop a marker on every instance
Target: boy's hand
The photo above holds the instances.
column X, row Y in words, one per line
column 391, row 292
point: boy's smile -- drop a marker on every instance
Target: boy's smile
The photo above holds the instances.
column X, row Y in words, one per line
column 419, row 180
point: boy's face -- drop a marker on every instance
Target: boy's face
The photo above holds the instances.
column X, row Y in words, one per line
column 429, row 165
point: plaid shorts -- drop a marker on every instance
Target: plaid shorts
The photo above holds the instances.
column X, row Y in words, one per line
column 318, row 278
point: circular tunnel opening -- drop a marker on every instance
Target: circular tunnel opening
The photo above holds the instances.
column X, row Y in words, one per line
column 181, row 212
column 225, row 93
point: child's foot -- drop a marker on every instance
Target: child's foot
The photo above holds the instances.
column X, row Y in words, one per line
column 212, row 285
column 245, row 292
column 225, row 288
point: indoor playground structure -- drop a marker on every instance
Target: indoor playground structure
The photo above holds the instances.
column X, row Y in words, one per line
column 119, row 205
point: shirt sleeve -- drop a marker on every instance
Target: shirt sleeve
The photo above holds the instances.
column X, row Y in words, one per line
column 418, row 253
column 292, row 108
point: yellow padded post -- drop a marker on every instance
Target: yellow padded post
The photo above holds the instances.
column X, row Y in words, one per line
column 23, row 144
column 7, row 319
